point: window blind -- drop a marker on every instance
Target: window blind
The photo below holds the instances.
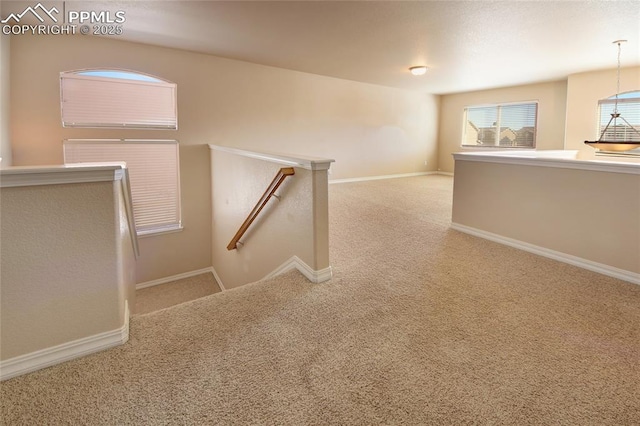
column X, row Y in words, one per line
column 95, row 101
column 153, row 173
column 502, row 125
column 619, row 131
column 629, row 108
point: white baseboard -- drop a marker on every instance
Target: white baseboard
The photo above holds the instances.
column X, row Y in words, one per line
column 296, row 263
column 175, row 277
column 366, row 178
column 444, row 173
column 590, row 265
column 293, row 263
column 43, row 358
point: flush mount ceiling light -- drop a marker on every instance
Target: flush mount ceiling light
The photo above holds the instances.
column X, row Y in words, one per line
column 622, row 136
column 418, row 70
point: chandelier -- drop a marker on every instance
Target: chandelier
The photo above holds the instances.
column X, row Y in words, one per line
column 615, row 143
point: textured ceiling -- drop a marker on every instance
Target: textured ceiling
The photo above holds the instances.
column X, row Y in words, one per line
column 467, row 45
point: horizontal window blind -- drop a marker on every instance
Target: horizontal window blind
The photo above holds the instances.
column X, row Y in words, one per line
column 504, row 125
column 619, row 130
column 153, row 172
column 95, row 101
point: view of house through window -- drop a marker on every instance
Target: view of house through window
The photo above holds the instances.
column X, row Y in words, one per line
column 113, row 99
column 501, row 125
column 619, row 130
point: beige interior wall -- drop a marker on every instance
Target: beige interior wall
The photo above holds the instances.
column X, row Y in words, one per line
column 589, row 214
column 551, row 99
column 5, row 123
column 584, row 90
column 59, row 265
column 284, row 228
column 367, row 129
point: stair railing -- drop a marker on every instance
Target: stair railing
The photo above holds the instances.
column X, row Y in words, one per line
column 270, row 192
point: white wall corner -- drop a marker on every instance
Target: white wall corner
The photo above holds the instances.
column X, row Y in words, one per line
column 296, row 263
column 590, row 265
column 48, row 357
column 218, row 280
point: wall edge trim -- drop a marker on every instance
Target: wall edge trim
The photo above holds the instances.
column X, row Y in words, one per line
column 68, row 351
column 553, row 158
column 610, row 271
column 57, row 175
column 309, row 163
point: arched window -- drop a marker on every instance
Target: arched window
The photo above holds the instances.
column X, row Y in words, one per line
column 629, row 109
column 117, row 99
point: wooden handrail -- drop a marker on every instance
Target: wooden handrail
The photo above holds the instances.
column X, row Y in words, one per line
column 275, row 184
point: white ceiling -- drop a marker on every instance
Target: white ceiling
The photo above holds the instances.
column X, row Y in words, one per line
column 467, row 45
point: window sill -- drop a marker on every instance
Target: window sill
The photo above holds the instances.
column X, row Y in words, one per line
column 497, row 147
column 160, row 231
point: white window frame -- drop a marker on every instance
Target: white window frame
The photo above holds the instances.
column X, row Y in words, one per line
column 621, row 101
column 498, row 107
column 127, row 99
column 160, row 210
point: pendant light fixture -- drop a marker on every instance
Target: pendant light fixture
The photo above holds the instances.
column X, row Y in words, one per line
column 615, row 143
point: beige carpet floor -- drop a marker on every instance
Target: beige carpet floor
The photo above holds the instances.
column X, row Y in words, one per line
column 421, row 325
column 162, row 296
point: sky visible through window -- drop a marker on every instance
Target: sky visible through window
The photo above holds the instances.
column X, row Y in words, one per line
column 629, row 110
column 483, row 117
column 627, row 95
column 123, row 75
